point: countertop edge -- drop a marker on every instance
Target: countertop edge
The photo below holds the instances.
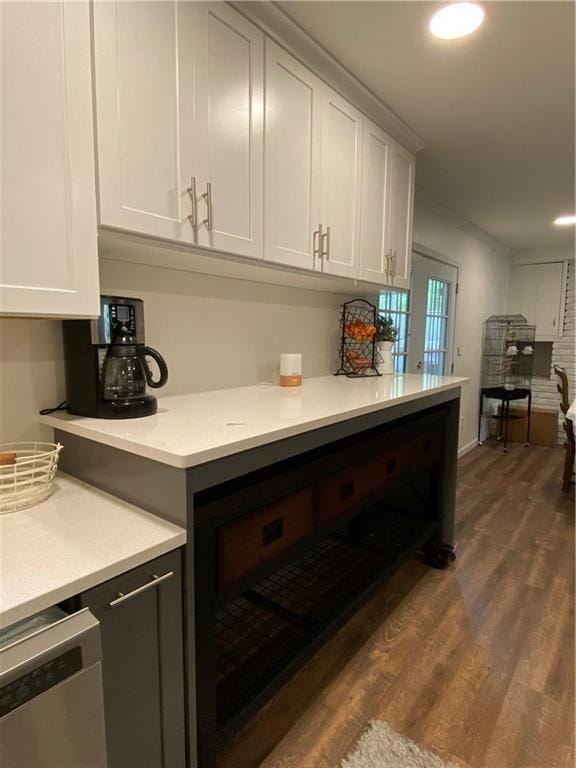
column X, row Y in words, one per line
column 186, row 461
column 47, row 599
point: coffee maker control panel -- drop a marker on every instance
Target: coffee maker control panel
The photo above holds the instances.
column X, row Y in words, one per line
column 122, row 320
column 119, row 316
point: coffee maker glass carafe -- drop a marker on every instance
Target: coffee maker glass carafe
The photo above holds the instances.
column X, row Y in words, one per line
column 125, row 372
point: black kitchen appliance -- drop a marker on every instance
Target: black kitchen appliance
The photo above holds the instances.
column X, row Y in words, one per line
column 106, row 362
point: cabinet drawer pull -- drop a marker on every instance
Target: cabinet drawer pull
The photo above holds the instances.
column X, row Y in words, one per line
column 208, row 197
column 346, row 490
column 391, row 465
column 272, row 531
column 317, row 242
column 326, row 247
column 121, row 597
column 193, row 218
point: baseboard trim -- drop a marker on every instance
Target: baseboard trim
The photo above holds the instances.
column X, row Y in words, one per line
column 467, row 448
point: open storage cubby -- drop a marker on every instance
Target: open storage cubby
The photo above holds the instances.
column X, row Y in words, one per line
column 272, row 623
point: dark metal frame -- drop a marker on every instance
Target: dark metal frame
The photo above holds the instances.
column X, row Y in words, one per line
column 366, row 312
column 504, row 418
column 429, row 541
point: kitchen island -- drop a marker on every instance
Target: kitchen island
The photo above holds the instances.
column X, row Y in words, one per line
column 297, row 504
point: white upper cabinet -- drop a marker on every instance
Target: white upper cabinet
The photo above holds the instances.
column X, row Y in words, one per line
column 179, row 94
column 211, row 136
column 48, row 254
column 536, row 292
column 138, row 112
column 401, row 211
column 374, row 259
column 222, row 100
column 292, row 160
column 340, row 179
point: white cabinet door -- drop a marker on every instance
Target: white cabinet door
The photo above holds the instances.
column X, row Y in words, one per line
column 401, row 212
column 292, row 160
column 548, row 302
column 374, row 259
column 536, row 293
column 222, row 93
column 48, row 253
column 523, row 291
column 340, row 191
column 137, row 105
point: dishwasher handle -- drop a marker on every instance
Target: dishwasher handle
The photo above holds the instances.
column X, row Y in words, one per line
column 156, row 580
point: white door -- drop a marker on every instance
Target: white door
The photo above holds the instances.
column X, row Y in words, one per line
column 136, row 75
column 48, row 253
column 432, row 313
column 401, row 212
column 222, row 96
column 340, row 185
column 292, row 161
column 374, row 260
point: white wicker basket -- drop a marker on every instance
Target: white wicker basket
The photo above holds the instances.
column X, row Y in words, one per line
column 30, row 479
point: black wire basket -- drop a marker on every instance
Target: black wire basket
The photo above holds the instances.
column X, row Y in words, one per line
column 358, row 322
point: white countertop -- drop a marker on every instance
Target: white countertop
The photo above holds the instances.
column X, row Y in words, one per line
column 76, row 539
column 192, row 429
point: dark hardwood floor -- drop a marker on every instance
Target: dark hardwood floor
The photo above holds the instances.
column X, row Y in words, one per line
column 475, row 663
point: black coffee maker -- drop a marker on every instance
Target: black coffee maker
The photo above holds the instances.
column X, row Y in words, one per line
column 106, row 363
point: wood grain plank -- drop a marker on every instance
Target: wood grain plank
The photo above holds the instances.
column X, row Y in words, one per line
column 476, row 663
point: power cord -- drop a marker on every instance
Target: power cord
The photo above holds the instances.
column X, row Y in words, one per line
column 61, row 407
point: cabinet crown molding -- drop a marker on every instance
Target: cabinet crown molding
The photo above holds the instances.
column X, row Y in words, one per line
column 275, row 23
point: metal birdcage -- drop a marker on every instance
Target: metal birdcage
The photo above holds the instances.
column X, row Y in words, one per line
column 507, row 361
column 508, row 352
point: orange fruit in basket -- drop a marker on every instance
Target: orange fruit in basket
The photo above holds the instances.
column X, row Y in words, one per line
column 359, row 331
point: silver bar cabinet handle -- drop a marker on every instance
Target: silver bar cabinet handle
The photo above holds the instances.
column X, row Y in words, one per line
column 208, row 197
column 326, row 239
column 395, row 261
column 193, row 218
column 387, row 272
column 156, row 580
column 316, row 241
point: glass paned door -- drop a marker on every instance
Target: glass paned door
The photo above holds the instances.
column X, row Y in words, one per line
column 436, row 329
column 432, row 303
column 395, row 304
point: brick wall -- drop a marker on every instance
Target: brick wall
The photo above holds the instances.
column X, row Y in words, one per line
column 544, row 391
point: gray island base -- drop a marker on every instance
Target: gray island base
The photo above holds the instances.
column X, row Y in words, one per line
column 285, row 541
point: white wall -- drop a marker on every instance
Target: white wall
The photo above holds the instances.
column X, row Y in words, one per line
column 214, row 333
column 31, row 375
column 484, row 271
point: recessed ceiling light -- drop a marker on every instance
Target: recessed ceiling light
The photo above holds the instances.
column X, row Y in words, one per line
column 565, row 221
column 456, row 20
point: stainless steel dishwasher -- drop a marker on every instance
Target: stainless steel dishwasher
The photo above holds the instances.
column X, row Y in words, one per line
column 51, row 702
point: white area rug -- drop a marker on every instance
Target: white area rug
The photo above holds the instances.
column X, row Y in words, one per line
column 382, row 747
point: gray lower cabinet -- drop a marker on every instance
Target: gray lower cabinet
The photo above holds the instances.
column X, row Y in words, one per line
column 140, row 614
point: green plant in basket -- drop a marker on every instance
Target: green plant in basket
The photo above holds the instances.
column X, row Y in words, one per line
column 385, row 329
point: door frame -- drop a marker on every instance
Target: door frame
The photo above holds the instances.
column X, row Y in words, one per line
column 428, row 253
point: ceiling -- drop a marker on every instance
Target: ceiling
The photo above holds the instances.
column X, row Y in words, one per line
column 495, row 109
